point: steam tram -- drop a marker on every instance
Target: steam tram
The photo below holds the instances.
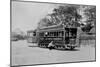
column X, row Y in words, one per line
column 62, row 36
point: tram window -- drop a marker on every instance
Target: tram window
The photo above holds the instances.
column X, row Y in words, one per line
column 34, row 33
column 51, row 33
column 57, row 33
column 66, row 34
column 30, row 34
column 54, row 33
column 48, row 33
column 60, row 33
column 42, row 34
column 72, row 32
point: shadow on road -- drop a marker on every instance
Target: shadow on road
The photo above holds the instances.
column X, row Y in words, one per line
column 66, row 49
column 56, row 49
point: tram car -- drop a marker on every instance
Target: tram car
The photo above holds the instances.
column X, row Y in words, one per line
column 62, row 36
column 31, row 36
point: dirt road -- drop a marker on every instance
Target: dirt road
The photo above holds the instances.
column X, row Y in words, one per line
column 24, row 55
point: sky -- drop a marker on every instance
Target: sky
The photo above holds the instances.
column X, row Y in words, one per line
column 26, row 15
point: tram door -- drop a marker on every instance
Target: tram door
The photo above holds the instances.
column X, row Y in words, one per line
column 70, row 35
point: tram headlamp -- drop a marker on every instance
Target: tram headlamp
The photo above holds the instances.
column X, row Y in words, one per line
column 46, row 33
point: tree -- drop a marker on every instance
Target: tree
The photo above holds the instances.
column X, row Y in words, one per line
column 44, row 22
column 90, row 13
column 67, row 15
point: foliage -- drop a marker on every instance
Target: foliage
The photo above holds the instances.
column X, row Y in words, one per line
column 64, row 14
column 17, row 35
column 90, row 13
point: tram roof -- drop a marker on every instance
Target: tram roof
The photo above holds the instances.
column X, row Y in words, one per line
column 57, row 27
column 54, row 27
column 29, row 31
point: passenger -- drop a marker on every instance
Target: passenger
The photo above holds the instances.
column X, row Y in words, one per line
column 51, row 46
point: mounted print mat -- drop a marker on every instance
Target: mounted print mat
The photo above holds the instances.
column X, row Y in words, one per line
column 52, row 33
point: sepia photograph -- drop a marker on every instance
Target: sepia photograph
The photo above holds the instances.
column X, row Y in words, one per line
column 52, row 33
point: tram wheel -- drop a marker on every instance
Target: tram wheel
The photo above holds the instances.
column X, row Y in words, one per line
column 56, row 47
column 46, row 46
column 42, row 45
column 72, row 48
column 59, row 47
column 62, row 47
column 39, row 45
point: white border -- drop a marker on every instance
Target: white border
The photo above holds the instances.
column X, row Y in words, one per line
column 5, row 33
